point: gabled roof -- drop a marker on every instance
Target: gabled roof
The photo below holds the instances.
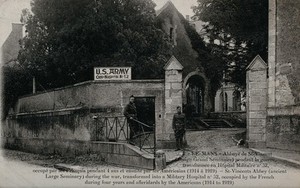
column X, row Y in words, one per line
column 10, row 47
column 257, row 63
column 173, row 64
column 169, row 3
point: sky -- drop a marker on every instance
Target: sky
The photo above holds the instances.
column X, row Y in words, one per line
column 183, row 6
column 10, row 12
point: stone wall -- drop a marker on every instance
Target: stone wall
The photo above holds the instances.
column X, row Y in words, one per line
column 284, row 75
column 287, row 53
column 67, row 114
column 283, row 128
column 107, row 96
column 121, row 154
column 62, row 125
column 284, row 53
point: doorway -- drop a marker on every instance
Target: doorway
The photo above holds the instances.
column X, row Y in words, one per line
column 145, row 107
column 195, row 95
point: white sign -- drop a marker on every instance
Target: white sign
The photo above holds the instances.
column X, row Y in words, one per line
column 112, row 73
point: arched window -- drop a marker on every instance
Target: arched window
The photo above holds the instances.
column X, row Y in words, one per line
column 236, row 100
column 226, row 102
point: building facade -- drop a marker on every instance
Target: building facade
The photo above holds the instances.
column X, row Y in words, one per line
column 283, row 114
column 273, row 92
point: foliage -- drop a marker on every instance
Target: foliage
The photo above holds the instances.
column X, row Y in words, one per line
column 210, row 61
column 15, row 84
column 67, row 38
column 237, row 31
column 25, row 15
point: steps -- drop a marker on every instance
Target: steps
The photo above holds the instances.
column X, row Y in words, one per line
column 204, row 124
column 196, row 124
column 217, row 123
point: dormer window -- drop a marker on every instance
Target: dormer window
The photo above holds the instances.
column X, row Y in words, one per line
column 171, row 34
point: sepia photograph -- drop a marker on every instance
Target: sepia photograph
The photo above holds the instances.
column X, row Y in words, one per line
column 147, row 93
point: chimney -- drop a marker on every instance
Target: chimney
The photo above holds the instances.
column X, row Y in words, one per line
column 18, row 28
column 187, row 17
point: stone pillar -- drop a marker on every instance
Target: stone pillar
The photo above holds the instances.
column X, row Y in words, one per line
column 256, row 103
column 173, row 98
column 160, row 160
column 272, row 54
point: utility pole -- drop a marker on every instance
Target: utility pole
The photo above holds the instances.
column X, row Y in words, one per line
column 33, row 85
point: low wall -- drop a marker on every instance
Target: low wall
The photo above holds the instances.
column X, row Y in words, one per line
column 67, row 120
column 237, row 118
column 59, row 125
column 70, row 133
column 105, row 96
column 121, row 154
column 283, row 128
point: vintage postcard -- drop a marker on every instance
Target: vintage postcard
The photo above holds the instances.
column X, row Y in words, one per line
column 150, row 93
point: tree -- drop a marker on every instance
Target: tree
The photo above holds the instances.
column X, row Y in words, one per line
column 211, row 62
column 237, row 31
column 67, row 38
column 16, row 82
column 25, row 15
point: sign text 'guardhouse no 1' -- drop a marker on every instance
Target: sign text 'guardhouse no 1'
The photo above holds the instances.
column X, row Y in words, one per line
column 112, row 73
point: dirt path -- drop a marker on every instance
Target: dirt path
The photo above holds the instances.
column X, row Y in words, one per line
column 212, row 139
column 214, row 153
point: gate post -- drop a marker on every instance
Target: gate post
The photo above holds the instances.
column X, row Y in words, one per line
column 173, row 98
column 256, row 102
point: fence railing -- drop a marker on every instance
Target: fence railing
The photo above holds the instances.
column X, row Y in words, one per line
column 117, row 129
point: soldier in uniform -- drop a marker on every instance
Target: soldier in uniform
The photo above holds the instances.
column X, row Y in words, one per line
column 130, row 113
column 178, row 125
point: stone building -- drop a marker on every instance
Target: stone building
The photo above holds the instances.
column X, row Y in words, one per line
column 11, row 46
column 229, row 98
column 274, row 99
column 283, row 115
column 196, row 85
